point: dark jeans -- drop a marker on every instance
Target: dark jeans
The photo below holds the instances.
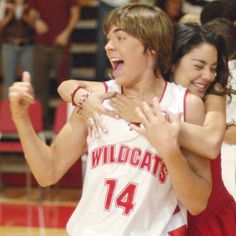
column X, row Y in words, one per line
column 47, row 61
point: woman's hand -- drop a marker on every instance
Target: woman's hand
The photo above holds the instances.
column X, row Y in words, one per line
column 125, row 107
column 157, row 127
column 91, row 110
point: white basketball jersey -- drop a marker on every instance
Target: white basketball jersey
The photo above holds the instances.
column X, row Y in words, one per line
column 127, row 189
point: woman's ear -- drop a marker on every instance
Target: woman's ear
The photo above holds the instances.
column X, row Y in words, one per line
column 172, row 69
column 153, row 53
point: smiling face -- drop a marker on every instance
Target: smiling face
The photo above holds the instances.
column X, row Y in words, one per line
column 197, row 69
column 130, row 61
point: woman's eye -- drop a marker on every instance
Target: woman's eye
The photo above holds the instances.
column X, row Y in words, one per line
column 198, row 67
column 213, row 70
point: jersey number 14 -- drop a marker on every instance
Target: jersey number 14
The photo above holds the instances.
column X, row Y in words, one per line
column 124, row 199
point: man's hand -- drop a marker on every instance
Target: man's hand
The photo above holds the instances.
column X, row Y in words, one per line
column 21, row 96
column 41, row 27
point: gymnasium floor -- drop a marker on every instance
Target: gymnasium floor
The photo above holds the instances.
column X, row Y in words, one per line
column 23, row 214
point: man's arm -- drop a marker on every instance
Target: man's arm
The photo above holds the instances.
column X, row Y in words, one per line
column 48, row 163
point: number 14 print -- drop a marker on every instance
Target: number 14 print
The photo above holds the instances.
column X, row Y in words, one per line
column 124, row 199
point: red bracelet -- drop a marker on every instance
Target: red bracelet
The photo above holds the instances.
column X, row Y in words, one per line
column 73, row 94
column 82, row 100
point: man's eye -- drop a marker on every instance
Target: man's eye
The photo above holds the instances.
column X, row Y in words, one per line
column 120, row 38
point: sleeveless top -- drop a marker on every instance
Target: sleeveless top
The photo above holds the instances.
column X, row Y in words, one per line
column 127, row 189
column 219, row 218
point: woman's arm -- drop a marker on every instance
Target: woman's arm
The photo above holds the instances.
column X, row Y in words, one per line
column 230, row 135
column 67, row 88
column 206, row 140
column 48, row 163
column 91, row 107
column 189, row 174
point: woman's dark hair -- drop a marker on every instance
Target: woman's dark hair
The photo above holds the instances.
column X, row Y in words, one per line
column 189, row 36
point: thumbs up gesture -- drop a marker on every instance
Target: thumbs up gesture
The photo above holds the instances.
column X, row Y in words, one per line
column 21, row 95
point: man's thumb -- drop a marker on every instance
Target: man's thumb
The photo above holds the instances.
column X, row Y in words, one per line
column 26, row 77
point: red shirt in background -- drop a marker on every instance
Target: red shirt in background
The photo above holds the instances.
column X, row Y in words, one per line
column 56, row 13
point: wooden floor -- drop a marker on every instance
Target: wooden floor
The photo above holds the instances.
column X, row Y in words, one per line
column 25, row 214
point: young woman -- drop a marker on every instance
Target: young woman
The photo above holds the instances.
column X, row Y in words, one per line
column 127, row 185
column 198, row 64
column 227, row 29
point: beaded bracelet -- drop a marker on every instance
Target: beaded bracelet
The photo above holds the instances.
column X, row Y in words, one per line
column 73, row 94
column 82, row 100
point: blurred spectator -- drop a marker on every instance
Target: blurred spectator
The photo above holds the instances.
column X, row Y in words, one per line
column 211, row 11
column 190, row 17
column 198, row 2
column 2, row 8
column 2, row 13
column 54, row 22
column 17, row 38
column 230, row 10
column 219, row 9
column 173, row 8
column 227, row 30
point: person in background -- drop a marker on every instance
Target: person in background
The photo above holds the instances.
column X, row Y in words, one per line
column 173, row 8
column 18, row 42
column 129, row 180
column 229, row 10
column 200, row 64
column 227, row 29
column 54, row 21
column 219, row 9
column 190, row 17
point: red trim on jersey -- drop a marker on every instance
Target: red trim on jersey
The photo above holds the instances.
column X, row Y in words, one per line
column 177, row 209
column 181, row 231
column 135, row 123
column 185, row 96
column 105, row 86
column 166, row 83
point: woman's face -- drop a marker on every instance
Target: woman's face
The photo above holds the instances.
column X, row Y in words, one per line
column 197, row 69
